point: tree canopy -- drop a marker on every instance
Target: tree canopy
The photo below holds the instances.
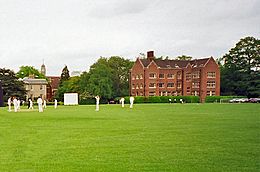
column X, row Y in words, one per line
column 108, row 77
column 240, row 73
column 26, row 71
column 11, row 85
column 183, row 57
column 65, row 75
column 64, row 85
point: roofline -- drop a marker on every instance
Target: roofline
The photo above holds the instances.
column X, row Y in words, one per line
column 140, row 61
column 151, row 63
column 209, row 60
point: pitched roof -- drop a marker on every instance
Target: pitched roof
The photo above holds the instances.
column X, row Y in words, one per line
column 33, row 81
column 176, row 63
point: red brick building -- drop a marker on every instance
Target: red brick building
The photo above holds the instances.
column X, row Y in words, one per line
column 52, row 86
column 154, row 77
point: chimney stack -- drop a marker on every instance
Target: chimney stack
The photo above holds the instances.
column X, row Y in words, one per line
column 150, row 55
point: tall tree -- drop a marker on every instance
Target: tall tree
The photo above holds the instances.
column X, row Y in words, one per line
column 65, row 74
column 120, row 74
column 11, row 85
column 100, row 79
column 240, row 72
column 183, row 57
column 26, row 71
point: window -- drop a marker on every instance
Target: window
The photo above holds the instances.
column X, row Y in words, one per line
column 188, row 90
column 141, row 86
column 133, row 86
column 195, row 85
column 170, row 76
column 152, row 75
column 211, row 75
column 151, row 93
column 161, row 75
column 178, row 75
column 161, row 85
column 188, row 77
column 195, row 93
column 152, row 85
column 170, row 84
column 178, row 84
column 211, row 84
column 196, row 74
column 137, row 77
column 141, row 76
column 174, row 93
column 211, row 93
column 133, row 77
column 137, row 86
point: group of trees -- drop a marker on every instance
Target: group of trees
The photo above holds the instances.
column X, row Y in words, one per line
column 11, row 84
column 240, row 72
column 107, row 77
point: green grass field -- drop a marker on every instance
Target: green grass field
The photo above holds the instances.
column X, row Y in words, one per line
column 150, row 137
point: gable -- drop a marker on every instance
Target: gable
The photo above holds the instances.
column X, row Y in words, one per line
column 137, row 65
column 211, row 63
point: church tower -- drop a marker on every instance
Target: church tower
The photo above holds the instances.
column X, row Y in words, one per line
column 43, row 69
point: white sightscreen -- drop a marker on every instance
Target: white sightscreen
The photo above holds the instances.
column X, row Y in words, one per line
column 71, row 99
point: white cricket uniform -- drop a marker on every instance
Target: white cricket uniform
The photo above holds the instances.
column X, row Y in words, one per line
column 39, row 101
column 131, row 101
column 44, row 104
column 97, row 103
column 15, row 102
column 122, row 101
column 55, row 103
column 31, row 104
column 9, row 104
column 18, row 104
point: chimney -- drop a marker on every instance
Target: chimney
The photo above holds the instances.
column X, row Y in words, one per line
column 150, row 55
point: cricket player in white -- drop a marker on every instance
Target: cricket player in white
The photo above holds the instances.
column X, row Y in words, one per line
column 15, row 102
column 9, row 102
column 122, row 101
column 44, row 104
column 18, row 104
column 55, row 103
column 31, row 104
column 131, row 101
column 97, row 103
column 39, row 101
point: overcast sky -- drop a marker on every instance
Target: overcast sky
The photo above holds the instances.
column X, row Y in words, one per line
column 78, row 32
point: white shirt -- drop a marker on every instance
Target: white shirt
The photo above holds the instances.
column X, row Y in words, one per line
column 39, row 101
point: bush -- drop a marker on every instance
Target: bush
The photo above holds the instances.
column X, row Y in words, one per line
column 163, row 99
column 91, row 101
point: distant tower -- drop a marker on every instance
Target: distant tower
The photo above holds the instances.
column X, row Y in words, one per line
column 43, row 69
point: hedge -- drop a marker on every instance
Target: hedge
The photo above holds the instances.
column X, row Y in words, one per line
column 91, row 100
column 163, row 99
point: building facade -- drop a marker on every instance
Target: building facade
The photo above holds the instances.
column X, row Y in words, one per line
column 52, row 86
column 155, row 77
column 35, row 88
